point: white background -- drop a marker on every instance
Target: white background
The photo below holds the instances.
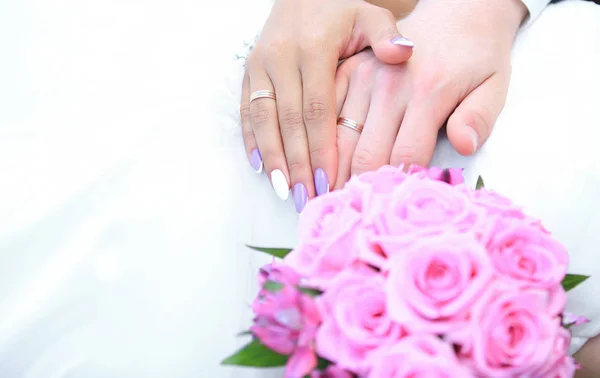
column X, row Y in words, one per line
column 126, row 198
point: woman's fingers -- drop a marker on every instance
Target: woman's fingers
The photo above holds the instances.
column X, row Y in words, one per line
column 252, row 150
column 379, row 30
column 319, row 113
column 288, row 83
column 265, row 126
column 472, row 122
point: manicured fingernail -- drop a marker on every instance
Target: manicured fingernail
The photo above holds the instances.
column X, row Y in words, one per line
column 256, row 161
column 280, row 184
column 401, row 41
column 474, row 138
column 321, row 182
column 300, row 195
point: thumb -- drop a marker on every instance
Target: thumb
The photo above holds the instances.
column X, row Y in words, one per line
column 378, row 28
column 473, row 120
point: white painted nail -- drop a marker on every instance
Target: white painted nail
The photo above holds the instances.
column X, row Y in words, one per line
column 280, row 184
column 401, row 41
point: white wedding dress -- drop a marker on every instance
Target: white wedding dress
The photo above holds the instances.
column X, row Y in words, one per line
column 126, row 197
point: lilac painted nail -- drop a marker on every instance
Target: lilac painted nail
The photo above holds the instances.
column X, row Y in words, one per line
column 256, row 161
column 321, row 182
column 401, row 41
column 300, row 195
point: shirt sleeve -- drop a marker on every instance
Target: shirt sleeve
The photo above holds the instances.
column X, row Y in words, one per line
column 535, row 7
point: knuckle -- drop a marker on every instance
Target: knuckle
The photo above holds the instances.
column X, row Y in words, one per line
column 252, row 61
column 388, row 80
column 363, row 160
column 260, row 114
column 276, row 48
column 484, row 118
column 429, row 82
column 245, row 110
column 319, row 152
column 291, row 120
column 364, row 72
column 404, row 155
column 248, row 134
column 437, row 85
column 298, row 167
column 315, row 110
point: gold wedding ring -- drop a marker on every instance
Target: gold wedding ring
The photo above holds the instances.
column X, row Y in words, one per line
column 343, row 121
column 262, row 94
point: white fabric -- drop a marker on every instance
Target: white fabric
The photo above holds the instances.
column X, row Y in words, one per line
column 126, row 197
column 535, row 7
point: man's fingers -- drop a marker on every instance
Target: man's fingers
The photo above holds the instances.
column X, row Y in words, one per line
column 355, row 109
column 473, row 120
column 418, row 132
column 343, row 74
column 388, row 103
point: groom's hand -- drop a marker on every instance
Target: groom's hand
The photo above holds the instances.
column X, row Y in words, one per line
column 295, row 58
column 459, row 73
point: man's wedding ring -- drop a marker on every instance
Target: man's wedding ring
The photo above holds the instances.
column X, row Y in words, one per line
column 343, row 121
column 262, row 94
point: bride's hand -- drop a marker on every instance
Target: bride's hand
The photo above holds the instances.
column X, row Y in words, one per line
column 459, row 72
column 296, row 57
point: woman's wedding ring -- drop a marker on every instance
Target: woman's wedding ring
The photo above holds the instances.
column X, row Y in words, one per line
column 262, row 94
column 343, row 121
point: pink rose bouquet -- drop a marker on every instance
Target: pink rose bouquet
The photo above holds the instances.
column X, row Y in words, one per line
column 414, row 275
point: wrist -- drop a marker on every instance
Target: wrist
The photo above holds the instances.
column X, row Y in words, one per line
column 497, row 17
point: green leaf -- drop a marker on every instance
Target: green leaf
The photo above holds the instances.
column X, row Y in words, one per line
column 571, row 281
column 255, row 354
column 322, row 363
column 275, row 252
column 272, row 286
column 310, row 292
column 480, row 184
column 244, row 333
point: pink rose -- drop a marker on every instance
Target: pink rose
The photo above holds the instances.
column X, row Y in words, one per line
column 418, row 356
column 417, row 209
column 433, row 282
column 301, row 362
column 556, row 360
column 565, row 368
column 286, row 322
column 525, row 255
column 422, row 208
column 557, row 301
column 385, row 180
column 328, row 229
column 512, row 334
column 355, row 320
column 573, row 319
column 495, row 204
column 279, row 273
